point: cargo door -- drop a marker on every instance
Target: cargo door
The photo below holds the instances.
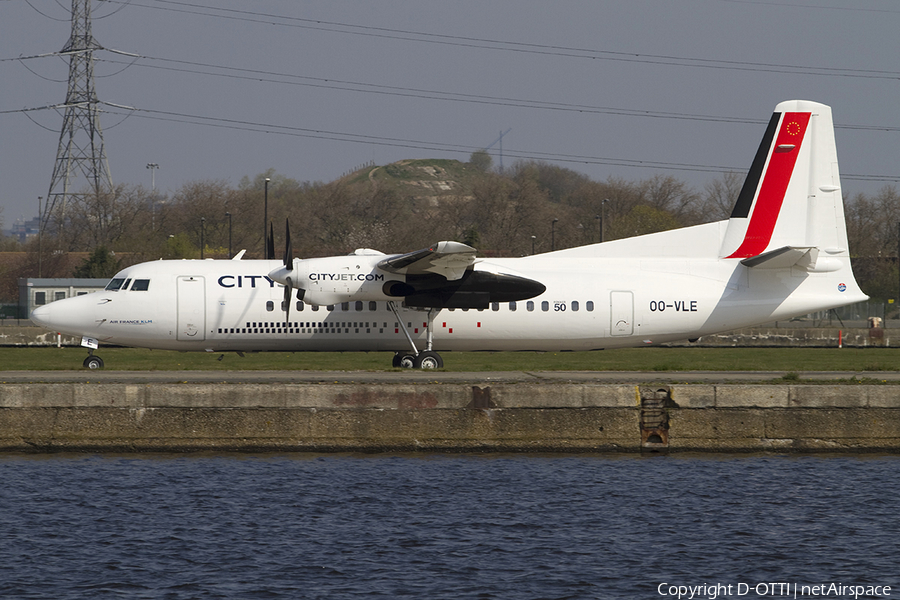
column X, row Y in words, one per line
column 191, row 309
column 621, row 313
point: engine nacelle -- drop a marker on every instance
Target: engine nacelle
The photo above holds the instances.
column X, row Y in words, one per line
column 337, row 279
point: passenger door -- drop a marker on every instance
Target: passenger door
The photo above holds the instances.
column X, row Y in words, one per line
column 191, row 308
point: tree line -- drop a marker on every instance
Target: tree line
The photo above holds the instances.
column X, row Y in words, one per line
column 530, row 207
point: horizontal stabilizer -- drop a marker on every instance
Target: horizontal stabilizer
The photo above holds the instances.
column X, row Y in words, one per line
column 781, row 258
column 449, row 259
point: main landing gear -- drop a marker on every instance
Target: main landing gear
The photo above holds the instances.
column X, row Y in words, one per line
column 427, row 359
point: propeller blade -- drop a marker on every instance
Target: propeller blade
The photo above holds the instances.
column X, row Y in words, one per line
column 288, row 289
column 289, row 266
column 270, row 243
column 288, row 247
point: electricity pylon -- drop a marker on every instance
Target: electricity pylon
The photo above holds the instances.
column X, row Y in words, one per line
column 80, row 152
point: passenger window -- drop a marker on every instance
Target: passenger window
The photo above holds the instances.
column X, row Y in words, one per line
column 545, row 306
column 589, row 305
column 114, row 285
column 140, row 285
column 512, row 306
column 330, row 307
column 495, row 306
column 270, row 306
column 300, row 305
column 530, row 306
column 315, row 307
column 574, row 305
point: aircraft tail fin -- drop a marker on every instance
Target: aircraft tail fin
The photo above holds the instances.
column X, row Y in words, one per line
column 792, row 195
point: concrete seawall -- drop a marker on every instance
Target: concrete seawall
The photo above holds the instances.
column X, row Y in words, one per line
column 565, row 417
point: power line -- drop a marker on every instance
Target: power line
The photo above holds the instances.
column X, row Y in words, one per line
column 400, row 142
column 271, row 128
column 811, row 6
column 353, row 86
column 362, row 87
column 274, row 128
column 504, row 45
column 294, row 79
column 338, row 136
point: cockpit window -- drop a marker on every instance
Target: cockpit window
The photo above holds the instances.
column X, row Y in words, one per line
column 140, row 285
column 114, row 285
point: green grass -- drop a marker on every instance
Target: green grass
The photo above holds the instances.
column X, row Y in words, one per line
column 670, row 360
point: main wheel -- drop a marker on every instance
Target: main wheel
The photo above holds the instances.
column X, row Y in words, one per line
column 403, row 360
column 429, row 360
column 93, row 362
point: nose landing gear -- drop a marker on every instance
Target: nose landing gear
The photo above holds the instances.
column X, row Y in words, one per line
column 92, row 362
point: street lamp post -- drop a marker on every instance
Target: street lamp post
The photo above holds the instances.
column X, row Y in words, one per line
column 603, row 215
column 266, row 220
column 202, row 237
column 40, row 238
column 534, row 237
column 228, row 214
column 553, row 234
column 153, row 167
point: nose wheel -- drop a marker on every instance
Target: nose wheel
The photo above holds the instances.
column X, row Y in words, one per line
column 93, row 362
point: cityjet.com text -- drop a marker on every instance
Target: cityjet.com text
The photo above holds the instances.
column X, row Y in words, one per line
column 711, row 591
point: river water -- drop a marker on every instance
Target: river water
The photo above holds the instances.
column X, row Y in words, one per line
column 448, row 526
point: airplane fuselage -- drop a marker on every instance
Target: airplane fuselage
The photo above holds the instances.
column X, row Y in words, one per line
column 783, row 252
column 589, row 303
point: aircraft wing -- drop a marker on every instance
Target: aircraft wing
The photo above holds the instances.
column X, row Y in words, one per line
column 449, row 259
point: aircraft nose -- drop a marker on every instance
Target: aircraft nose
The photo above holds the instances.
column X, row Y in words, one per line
column 42, row 316
column 71, row 315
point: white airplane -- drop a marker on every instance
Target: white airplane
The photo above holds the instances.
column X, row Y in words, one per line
column 782, row 253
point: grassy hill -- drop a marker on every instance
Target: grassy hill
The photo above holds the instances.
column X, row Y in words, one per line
column 423, row 178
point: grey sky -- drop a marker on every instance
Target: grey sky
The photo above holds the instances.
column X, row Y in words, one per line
column 416, row 79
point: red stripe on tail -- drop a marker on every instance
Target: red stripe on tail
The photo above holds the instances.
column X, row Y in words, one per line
column 774, row 185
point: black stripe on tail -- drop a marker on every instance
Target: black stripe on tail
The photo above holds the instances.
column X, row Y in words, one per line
column 745, row 199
